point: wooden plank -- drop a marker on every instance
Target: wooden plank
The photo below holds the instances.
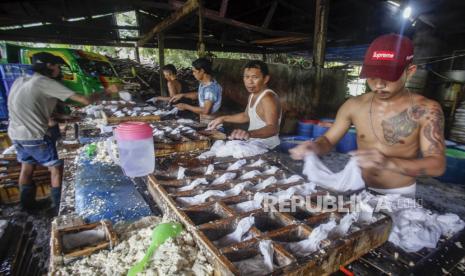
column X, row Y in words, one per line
column 223, row 8
column 269, row 15
column 186, row 9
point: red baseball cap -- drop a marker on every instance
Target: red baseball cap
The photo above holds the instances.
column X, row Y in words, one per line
column 387, row 57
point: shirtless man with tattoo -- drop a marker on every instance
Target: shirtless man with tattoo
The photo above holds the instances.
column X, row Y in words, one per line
column 400, row 135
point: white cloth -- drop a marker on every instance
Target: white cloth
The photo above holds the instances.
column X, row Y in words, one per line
column 250, row 174
column 237, row 165
column 258, row 163
column 414, row 227
column 210, row 169
column 261, row 264
column 223, row 178
column 193, row 184
column 256, row 122
column 313, row 241
column 181, row 173
column 243, row 226
column 126, row 96
column 350, row 178
column 271, row 170
column 291, row 179
column 265, row 183
column 201, row 198
column 235, row 148
column 250, row 205
column 10, row 150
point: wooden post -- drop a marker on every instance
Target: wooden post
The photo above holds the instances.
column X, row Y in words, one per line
column 161, row 61
column 319, row 45
column 136, row 48
column 136, row 53
column 201, row 44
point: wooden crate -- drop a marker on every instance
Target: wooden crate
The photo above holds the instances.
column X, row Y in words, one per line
column 215, row 218
column 9, row 176
column 9, row 193
column 5, row 141
column 62, row 252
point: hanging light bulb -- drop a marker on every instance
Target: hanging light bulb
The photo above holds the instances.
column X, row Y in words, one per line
column 407, row 12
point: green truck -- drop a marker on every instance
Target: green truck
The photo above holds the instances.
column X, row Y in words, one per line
column 84, row 72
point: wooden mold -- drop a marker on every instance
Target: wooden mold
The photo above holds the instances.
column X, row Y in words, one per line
column 108, row 119
column 75, row 241
column 218, row 216
column 179, row 143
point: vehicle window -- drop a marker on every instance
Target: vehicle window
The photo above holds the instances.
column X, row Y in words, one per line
column 65, row 69
column 96, row 68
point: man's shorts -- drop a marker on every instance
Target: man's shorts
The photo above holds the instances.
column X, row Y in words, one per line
column 41, row 152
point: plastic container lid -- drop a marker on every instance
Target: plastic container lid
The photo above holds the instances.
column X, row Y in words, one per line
column 309, row 122
column 133, row 131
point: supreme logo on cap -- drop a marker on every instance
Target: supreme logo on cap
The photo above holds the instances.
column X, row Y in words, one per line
column 383, row 55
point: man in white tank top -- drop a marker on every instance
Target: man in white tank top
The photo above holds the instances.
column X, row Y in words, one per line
column 263, row 111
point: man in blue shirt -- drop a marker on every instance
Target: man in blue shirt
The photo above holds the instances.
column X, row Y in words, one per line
column 208, row 94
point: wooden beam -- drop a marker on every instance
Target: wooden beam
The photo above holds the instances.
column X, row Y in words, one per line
column 223, row 8
column 269, row 15
column 215, row 16
column 161, row 61
column 186, row 9
column 281, row 40
column 201, row 44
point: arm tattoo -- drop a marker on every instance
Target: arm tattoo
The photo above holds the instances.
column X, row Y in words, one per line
column 402, row 125
column 434, row 132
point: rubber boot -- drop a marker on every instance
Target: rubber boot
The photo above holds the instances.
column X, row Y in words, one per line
column 56, row 198
column 27, row 196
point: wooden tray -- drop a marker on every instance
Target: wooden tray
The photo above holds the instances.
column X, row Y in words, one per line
column 61, row 254
column 116, row 120
column 215, row 218
column 164, row 149
column 186, row 142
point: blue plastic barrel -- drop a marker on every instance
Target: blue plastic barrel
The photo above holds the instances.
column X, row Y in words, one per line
column 3, row 104
column 455, row 172
column 305, row 128
column 10, row 72
column 288, row 142
column 322, row 127
column 348, row 142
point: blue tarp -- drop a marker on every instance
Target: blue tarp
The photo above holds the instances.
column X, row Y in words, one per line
column 104, row 192
column 353, row 54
